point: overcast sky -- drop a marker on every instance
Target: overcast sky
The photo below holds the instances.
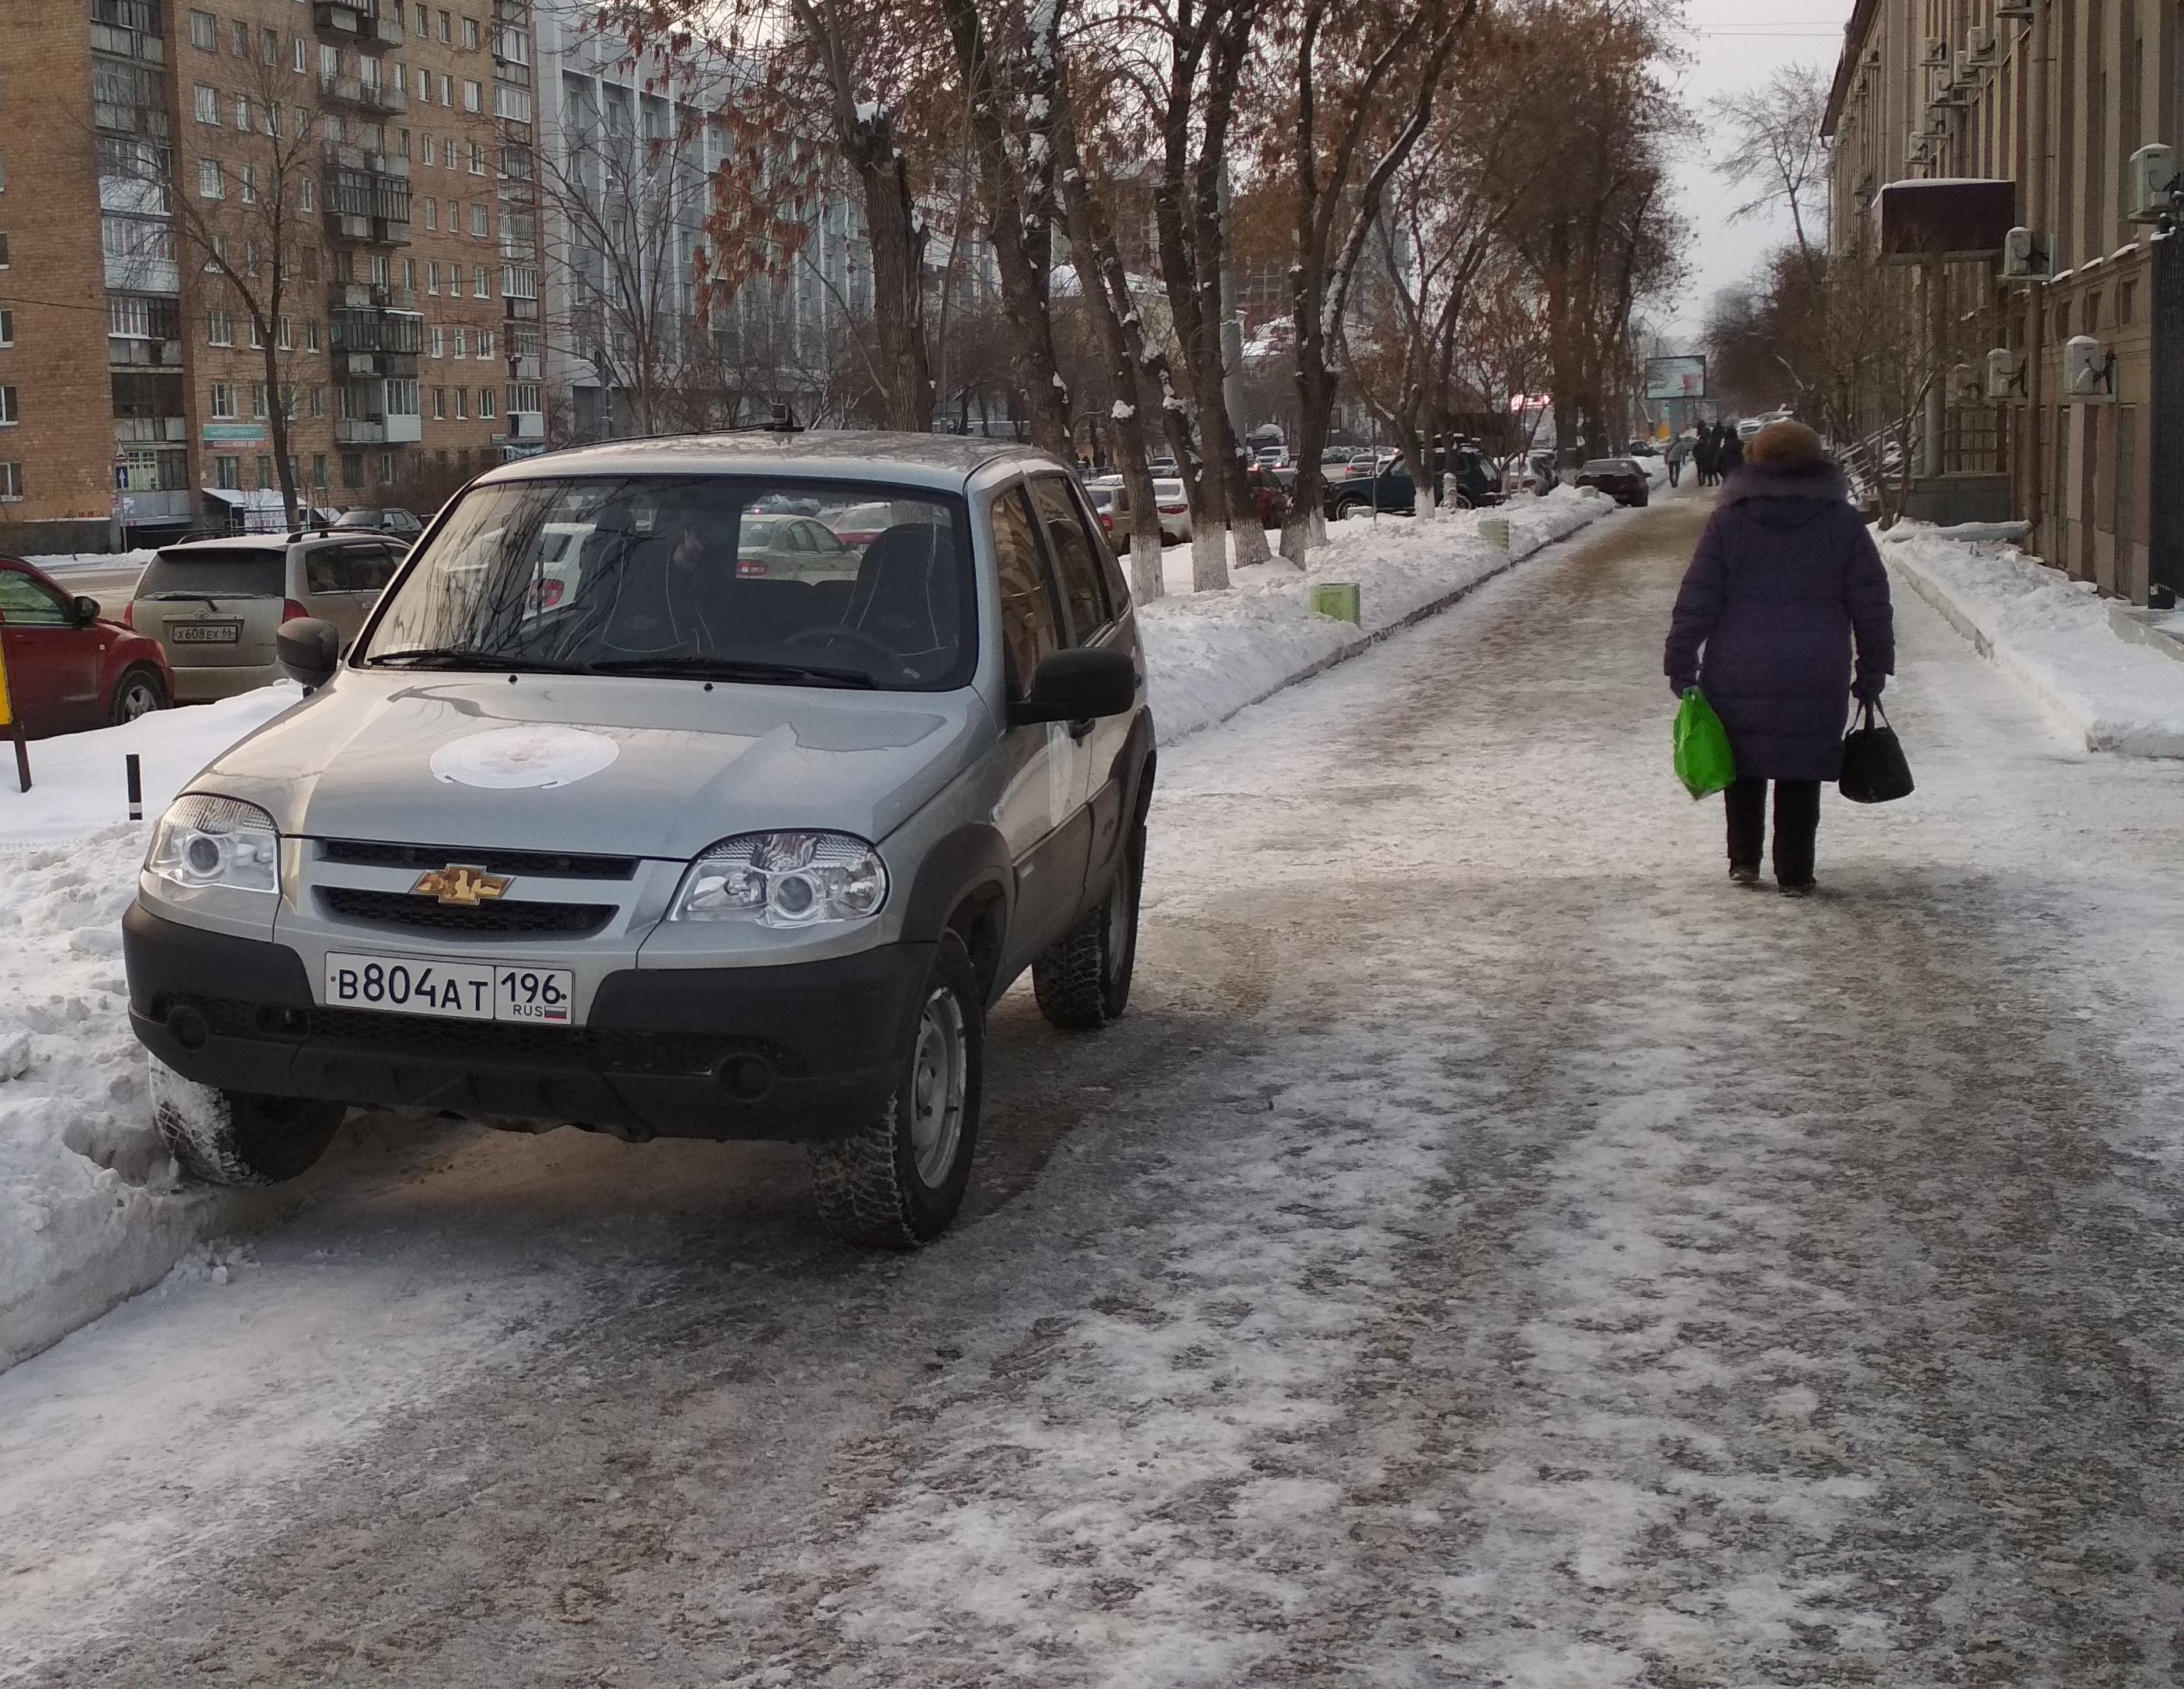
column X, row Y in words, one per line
column 1737, row 44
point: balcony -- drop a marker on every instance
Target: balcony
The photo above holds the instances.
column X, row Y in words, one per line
column 404, row 429
column 158, row 506
column 119, row 119
column 359, row 296
column 151, row 431
column 367, row 197
column 143, row 354
column 524, row 368
column 374, row 99
column 355, row 20
column 527, row 424
column 381, row 343
column 360, row 431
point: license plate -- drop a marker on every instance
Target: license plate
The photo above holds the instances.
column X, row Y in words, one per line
column 204, row 633
column 453, row 991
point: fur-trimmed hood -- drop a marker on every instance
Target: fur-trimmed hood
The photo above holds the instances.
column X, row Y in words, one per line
column 1752, row 481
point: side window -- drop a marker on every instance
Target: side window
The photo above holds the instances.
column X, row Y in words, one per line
column 25, row 604
column 325, row 571
column 371, row 567
column 1029, row 626
column 1076, row 559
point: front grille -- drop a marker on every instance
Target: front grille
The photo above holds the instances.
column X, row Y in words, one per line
column 414, row 913
column 604, row 1049
column 553, row 865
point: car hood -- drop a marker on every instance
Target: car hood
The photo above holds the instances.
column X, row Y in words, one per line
column 616, row 766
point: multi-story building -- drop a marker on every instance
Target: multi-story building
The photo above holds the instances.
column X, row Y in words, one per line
column 349, row 180
column 2078, row 360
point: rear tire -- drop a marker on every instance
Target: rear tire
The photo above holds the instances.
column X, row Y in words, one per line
column 1082, row 981
column 139, row 692
column 897, row 1181
column 233, row 1138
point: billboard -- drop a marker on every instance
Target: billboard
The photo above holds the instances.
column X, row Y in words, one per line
column 1675, row 378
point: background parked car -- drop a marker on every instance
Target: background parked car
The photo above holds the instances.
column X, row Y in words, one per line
column 69, row 668
column 216, row 605
column 860, row 524
column 402, row 524
column 1391, row 491
column 793, row 548
column 1111, row 503
column 1621, row 479
column 1174, row 511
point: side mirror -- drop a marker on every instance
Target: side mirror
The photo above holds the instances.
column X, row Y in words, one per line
column 86, row 611
column 1078, row 685
column 310, row 650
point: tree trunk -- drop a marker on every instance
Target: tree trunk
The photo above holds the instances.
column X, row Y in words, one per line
column 896, row 235
column 276, row 414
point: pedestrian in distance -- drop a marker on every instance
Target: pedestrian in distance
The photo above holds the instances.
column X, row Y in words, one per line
column 1679, row 449
column 1729, row 457
column 1785, row 582
column 1703, row 451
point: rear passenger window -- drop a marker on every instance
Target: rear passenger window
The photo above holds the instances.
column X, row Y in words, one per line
column 1076, row 559
column 325, row 571
column 1029, row 626
column 371, row 567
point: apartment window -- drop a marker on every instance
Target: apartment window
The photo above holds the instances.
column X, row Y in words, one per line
column 311, row 336
column 220, row 329
column 477, row 158
column 243, row 113
column 424, row 24
column 2092, row 317
column 4, row 173
column 246, row 177
column 265, row 472
column 480, row 282
column 431, row 211
column 258, row 399
column 402, row 143
column 485, row 342
column 462, row 342
column 387, row 468
column 2127, row 302
column 307, row 264
column 9, row 413
column 286, row 339
column 318, row 403
column 223, row 399
column 352, row 471
column 227, row 474
column 524, row 397
column 439, row 340
column 299, row 59
column 205, row 31
column 439, row 402
column 447, row 27
column 210, row 185
column 309, row 196
column 409, row 274
column 269, row 46
column 239, row 33
column 207, row 104
column 7, row 327
column 319, row 470
column 257, row 342
column 488, row 403
column 11, row 483
column 3, row 249
column 473, row 97
column 481, row 226
column 470, row 34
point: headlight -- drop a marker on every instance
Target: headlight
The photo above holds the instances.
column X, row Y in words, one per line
column 216, row 842
column 783, row 879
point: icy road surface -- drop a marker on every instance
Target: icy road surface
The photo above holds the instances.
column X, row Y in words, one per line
column 1494, row 1250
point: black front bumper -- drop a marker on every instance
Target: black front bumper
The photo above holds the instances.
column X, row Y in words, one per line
column 808, row 1050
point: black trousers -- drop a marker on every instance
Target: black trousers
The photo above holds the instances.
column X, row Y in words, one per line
column 1797, row 825
column 1675, row 472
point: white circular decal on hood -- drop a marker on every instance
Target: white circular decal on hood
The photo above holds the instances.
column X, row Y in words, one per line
column 515, row 759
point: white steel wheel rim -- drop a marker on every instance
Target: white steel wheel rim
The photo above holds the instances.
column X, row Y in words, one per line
column 938, row 1075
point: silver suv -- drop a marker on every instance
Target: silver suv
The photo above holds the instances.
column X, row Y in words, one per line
column 215, row 606
column 596, row 823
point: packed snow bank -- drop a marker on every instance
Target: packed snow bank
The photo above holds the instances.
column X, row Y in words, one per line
column 1210, row 654
column 90, row 1212
column 65, row 563
column 2050, row 634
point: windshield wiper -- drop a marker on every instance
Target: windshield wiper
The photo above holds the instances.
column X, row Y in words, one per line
column 737, row 669
column 465, row 656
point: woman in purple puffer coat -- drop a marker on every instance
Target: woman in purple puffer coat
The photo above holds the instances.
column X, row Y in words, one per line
column 1785, row 578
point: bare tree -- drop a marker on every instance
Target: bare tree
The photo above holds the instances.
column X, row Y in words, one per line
column 1776, row 155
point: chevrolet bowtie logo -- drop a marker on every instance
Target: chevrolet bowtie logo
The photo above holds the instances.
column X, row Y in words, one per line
column 461, row 884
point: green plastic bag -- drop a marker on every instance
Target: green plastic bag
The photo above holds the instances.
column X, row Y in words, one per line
column 1704, row 762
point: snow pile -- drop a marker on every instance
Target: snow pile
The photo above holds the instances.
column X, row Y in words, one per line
column 61, row 562
column 89, row 1212
column 1210, row 654
column 2050, row 634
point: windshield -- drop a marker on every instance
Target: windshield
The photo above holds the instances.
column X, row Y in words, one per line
column 738, row 578
column 1611, row 466
column 237, row 574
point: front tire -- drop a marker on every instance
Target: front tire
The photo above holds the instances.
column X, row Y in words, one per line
column 1082, row 981
column 897, row 1181
column 138, row 692
column 233, row 1138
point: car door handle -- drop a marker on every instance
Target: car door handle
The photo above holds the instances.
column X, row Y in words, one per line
column 1082, row 726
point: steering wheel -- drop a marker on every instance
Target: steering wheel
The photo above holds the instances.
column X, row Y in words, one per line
column 829, row 633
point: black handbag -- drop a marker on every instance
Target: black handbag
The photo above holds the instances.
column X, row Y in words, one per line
column 1874, row 767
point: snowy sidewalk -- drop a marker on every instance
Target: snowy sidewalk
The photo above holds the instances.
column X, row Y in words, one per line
column 2050, row 634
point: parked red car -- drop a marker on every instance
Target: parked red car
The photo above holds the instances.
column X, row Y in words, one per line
column 69, row 668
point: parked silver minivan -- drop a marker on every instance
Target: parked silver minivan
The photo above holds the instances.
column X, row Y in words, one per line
column 592, row 826
column 216, row 605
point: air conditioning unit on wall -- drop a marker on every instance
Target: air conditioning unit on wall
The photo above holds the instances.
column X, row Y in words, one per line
column 2005, row 375
column 2152, row 180
column 2088, row 370
column 1979, row 44
column 1937, row 52
column 1965, row 385
column 2023, row 257
column 2013, row 9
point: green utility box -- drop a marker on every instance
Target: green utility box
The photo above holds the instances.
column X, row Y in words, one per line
column 1495, row 530
column 1335, row 598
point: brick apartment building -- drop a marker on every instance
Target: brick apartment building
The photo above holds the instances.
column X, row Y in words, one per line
column 373, row 157
column 2081, row 315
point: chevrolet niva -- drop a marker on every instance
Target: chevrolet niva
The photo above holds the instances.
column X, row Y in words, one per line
column 631, row 809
